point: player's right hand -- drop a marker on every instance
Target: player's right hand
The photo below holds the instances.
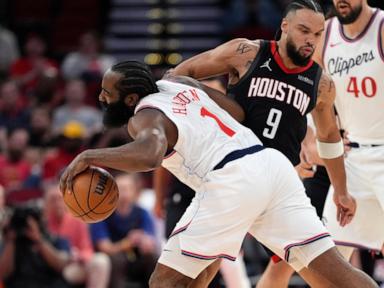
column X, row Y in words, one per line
column 346, row 208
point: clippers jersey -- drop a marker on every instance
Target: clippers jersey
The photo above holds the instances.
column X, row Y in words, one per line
column 276, row 100
column 357, row 68
column 206, row 133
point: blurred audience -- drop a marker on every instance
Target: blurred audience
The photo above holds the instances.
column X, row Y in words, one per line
column 9, row 50
column 75, row 109
column 127, row 236
column 35, row 73
column 29, row 256
column 88, row 63
column 40, row 132
column 15, row 170
column 70, row 143
column 13, row 107
column 86, row 267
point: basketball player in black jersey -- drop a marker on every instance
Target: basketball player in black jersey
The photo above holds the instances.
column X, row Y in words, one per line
column 277, row 84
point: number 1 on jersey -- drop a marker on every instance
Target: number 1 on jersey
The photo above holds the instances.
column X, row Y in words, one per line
column 205, row 113
column 273, row 121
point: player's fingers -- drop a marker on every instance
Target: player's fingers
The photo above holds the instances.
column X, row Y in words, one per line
column 338, row 213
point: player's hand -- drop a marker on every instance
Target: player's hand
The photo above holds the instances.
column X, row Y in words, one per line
column 346, row 208
column 77, row 166
column 304, row 168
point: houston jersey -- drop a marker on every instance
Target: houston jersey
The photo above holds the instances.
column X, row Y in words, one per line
column 206, row 133
column 357, row 68
column 276, row 100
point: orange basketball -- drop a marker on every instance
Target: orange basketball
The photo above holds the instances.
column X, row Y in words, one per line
column 95, row 195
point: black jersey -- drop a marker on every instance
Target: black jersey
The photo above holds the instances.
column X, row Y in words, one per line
column 276, row 100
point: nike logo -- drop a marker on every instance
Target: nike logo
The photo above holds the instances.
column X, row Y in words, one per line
column 334, row 44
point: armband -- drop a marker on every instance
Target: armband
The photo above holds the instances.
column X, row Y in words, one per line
column 330, row 150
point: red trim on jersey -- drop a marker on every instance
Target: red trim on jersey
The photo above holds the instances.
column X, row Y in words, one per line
column 205, row 257
column 355, row 245
column 326, row 39
column 305, row 242
column 380, row 40
column 280, row 62
column 361, row 35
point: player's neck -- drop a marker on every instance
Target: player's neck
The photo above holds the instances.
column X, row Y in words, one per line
column 281, row 49
column 354, row 29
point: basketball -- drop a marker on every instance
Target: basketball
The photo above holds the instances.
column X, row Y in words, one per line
column 94, row 197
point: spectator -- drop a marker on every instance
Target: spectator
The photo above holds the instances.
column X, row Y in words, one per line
column 75, row 109
column 30, row 257
column 127, row 236
column 13, row 111
column 86, row 267
column 70, row 143
column 15, row 170
column 40, row 132
column 35, row 73
column 89, row 64
column 9, row 50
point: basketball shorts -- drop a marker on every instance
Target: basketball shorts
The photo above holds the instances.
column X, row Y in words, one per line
column 259, row 194
column 365, row 181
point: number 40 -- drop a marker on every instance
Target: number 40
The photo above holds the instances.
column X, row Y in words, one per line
column 368, row 87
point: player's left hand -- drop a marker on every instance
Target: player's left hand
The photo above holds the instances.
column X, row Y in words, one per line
column 77, row 166
column 346, row 208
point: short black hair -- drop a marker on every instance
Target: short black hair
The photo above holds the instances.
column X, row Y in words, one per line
column 136, row 78
column 303, row 4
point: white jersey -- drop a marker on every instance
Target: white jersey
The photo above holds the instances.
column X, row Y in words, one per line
column 357, row 68
column 206, row 133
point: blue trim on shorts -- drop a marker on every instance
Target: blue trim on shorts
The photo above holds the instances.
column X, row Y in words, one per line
column 238, row 154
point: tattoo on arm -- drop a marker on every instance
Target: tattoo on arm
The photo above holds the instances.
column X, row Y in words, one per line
column 243, row 48
column 331, row 86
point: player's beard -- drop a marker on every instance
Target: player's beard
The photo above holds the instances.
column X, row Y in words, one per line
column 295, row 56
column 351, row 16
column 116, row 114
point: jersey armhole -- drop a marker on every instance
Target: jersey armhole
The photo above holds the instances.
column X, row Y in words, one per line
column 380, row 40
column 263, row 44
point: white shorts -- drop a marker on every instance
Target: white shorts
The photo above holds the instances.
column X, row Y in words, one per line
column 365, row 182
column 259, row 194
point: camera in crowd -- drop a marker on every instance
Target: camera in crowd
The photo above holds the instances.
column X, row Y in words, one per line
column 19, row 221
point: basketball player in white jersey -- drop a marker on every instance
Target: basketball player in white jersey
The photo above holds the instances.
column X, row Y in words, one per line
column 352, row 53
column 241, row 187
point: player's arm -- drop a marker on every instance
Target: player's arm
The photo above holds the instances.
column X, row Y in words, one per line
column 226, row 103
column 330, row 148
column 149, row 129
column 161, row 182
column 233, row 57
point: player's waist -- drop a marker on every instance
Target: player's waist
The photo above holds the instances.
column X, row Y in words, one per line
column 237, row 154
